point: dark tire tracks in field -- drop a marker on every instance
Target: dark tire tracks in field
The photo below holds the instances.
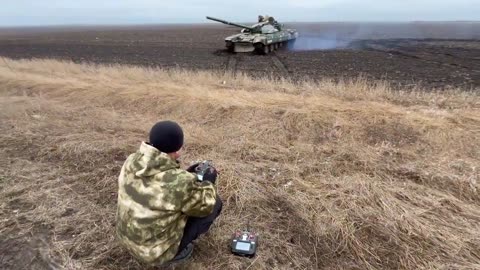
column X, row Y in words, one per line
column 281, row 67
column 232, row 64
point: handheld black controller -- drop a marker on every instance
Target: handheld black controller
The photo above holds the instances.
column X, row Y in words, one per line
column 244, row 243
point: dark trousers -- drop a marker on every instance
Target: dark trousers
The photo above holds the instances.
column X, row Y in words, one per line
column 196, row 226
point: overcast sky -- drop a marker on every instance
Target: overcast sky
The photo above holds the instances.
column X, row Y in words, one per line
column 54, row 12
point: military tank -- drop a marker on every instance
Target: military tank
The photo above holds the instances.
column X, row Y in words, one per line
column 263, row 37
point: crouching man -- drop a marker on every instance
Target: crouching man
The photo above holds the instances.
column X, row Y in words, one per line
column 161, row 207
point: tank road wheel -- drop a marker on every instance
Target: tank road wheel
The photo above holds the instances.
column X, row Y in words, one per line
column 230, row 46
column 270, row 48
column 266, row 49
column 259, row 48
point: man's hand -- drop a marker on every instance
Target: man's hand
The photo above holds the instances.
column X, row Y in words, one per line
column 210, row 175
column 193, row 167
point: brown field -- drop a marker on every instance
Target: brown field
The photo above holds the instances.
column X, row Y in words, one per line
column 426, row 55
column 333, row 175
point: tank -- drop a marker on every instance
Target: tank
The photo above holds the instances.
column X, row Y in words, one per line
column 263, row 37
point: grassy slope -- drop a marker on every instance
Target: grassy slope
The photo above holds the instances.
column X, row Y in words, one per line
column 333, row 176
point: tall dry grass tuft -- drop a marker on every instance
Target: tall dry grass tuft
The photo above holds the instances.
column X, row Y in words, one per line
column 346, row 175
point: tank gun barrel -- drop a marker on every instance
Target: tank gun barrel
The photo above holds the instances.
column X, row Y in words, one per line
column 229, row 23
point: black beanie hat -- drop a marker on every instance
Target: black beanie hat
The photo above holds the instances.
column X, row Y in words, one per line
column 166, row 136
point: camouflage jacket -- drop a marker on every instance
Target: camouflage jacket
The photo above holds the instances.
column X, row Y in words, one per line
column 155, row 197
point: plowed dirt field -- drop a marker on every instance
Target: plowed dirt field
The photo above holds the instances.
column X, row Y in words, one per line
column 429, row 55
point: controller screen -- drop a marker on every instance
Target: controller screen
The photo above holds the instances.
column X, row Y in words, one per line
column 243, row 246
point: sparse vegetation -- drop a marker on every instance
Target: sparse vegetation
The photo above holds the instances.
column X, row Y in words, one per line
column 347, row 175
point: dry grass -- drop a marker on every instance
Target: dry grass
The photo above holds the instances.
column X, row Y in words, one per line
column 346, row 175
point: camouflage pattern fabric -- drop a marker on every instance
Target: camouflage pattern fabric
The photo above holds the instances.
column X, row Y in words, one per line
column 155, row 197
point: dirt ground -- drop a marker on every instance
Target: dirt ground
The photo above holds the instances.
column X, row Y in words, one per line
column 428, row 55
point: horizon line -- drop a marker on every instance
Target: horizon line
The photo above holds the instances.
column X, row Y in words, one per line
column 212, row 23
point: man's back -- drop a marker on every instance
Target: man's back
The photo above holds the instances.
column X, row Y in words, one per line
column 154, row 200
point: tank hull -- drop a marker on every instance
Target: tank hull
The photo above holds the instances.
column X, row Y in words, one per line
column 262, row 43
